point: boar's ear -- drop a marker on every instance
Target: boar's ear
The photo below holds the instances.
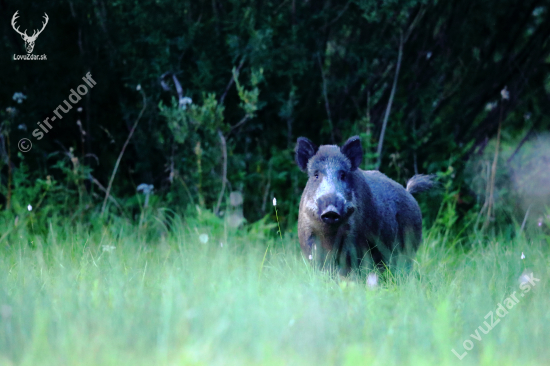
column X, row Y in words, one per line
column 305, row 149
column 353, row 151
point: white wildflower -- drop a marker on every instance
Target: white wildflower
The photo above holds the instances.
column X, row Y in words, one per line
column 522, row 255
column 203, row 238
column 29, row 207
column 538, row 11
column 490, row 106
column 108, row 248
column 184, row 101
column 310, row 257
column 138, row 87
column 147, row 189
column 505, row 93
column 274, row 201
column 19, row 97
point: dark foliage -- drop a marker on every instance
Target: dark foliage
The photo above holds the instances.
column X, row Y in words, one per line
column 261, row 73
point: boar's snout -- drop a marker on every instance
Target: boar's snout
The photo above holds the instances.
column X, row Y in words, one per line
column 334, row 209
column 330, row 215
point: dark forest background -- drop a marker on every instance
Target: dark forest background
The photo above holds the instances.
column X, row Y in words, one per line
column 223, row 88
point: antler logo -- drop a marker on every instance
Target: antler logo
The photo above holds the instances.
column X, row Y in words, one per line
column 29, row 40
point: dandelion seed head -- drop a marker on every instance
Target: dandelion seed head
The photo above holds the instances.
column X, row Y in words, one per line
column 525, row 277
column 236, row 198
column 203, row 238
column 372, row 280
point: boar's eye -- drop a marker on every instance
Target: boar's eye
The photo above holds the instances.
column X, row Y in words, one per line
column 316, row 175
column 342, row 175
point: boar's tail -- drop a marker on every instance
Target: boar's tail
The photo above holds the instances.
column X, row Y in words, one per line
column 420, row 183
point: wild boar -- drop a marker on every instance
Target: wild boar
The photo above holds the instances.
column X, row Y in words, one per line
column 351, row 217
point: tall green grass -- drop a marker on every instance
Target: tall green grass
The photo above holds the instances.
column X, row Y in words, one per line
column 123, row 295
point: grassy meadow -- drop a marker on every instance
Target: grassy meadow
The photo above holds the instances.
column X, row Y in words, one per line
column 159, row 295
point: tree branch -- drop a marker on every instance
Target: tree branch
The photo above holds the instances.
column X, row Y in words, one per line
column 520, row 145
column 390, row 101
column 224, row 171
column 327, row 105
column 122, row 152
column 231, row 82
column 491, row 198
column 338, row 16
column 111, row 198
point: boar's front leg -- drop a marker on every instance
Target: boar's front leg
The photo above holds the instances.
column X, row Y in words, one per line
column 317, row 250
column 348, row 256
column 309, row 243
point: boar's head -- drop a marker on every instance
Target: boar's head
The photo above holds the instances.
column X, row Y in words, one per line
column 329, row 193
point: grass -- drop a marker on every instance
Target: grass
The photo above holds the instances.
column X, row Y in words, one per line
column 118, row 295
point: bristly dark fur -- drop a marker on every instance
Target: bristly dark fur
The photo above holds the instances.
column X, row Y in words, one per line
column 421, row 183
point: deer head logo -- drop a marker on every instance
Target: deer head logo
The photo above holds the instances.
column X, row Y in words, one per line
column 29, row 40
